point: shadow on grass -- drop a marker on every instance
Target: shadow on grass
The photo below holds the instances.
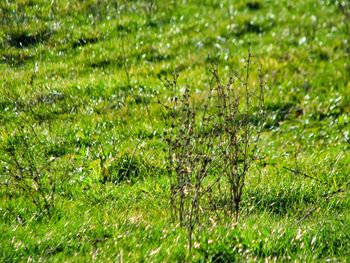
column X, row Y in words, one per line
column 24, row 39
column 279, row 201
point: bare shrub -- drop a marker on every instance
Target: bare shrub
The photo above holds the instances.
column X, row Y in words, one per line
column 210, row 147
column 27, row 167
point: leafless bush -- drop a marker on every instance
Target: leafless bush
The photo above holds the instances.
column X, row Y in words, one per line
column 210, row 147
column 26, row 165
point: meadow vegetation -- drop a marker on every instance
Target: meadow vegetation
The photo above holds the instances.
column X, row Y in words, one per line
column 88, row 150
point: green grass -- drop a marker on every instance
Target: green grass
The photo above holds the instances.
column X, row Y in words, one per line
column 84, row 75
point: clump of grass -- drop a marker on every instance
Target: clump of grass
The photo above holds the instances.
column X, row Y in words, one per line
column 127, row 168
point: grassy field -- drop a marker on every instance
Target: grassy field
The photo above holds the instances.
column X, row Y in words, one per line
column 80, row 83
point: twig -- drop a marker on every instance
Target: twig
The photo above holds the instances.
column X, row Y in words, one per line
column 329, row 196
column 346, row 138
column 304, row 174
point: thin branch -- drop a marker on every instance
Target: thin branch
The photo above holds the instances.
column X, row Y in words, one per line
column 305, row 175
